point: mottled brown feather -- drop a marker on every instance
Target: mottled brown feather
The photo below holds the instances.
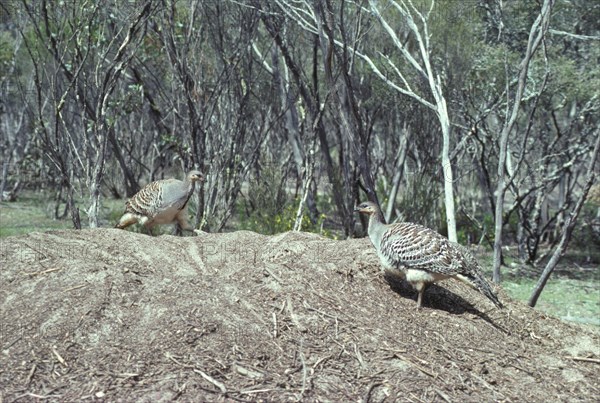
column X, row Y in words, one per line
column 412, row 248
column 161, row 202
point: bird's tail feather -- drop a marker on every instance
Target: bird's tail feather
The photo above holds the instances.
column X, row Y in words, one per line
column 478, row 282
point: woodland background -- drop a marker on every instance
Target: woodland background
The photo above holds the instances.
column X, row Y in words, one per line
column 476, row 118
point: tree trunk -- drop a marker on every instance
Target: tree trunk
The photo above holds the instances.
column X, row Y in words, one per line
column 292, row 125
column 315, row 114
column 131, row 185
column 398, row 173
column 98, row 172
column 447, row 171
column 562, row 200
column 352, row 125
column 536, row 35
column 4, row 179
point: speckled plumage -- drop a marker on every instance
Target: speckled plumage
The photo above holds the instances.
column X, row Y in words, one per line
column 161, row 202
column 421, row 255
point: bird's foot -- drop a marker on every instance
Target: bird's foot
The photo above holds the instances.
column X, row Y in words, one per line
column 421, row 289
column 419, row 304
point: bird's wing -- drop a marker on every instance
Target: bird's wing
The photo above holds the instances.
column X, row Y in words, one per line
column 175, row 194
column 150, row 199
column 468, row 259
column 417, row 247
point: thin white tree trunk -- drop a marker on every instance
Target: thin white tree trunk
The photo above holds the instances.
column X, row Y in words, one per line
column 94, row 206
column 421, row 35
column 447, row 171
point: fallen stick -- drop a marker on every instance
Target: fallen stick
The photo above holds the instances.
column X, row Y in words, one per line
column 585, row 359
column 212, row 380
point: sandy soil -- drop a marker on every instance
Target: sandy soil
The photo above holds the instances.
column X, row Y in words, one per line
column 110, row 315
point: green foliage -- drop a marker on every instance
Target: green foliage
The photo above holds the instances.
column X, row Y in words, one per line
column 281, row 220
column 6, row 54
column 269, row 209
column 469, row 232
column 420, row 201
column 466, row 232
column 569, row 81
column 586, row 235
column 490, row 67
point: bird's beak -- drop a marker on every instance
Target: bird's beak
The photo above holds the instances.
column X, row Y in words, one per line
column 356, row 209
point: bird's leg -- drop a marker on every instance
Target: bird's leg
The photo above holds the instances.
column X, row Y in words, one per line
column 420, row 286
column 182, row 223
column 186, row 226
column 147, row 224
column 148, row 230
column 178, row 231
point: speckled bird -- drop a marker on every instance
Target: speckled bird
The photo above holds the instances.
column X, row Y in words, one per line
column 421, row 255
column 161, row 202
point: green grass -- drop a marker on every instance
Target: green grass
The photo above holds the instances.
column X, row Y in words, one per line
column 572, row 292
column 35, row 212
column 573, row 300
column 30, row 213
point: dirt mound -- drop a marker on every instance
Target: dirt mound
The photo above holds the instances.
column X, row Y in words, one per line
column 113, row 315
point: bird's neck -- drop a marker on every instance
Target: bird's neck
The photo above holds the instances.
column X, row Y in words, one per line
column 189, row 186
column 376, row 227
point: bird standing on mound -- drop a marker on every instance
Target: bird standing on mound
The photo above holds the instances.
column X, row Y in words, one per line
column 422, row 255
column 161, row 202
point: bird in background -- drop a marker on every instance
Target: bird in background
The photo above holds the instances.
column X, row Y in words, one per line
column 161, row 202
column 421, row 255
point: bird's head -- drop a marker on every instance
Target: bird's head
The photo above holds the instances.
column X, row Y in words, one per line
column 367, row 208
column 195, row 176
